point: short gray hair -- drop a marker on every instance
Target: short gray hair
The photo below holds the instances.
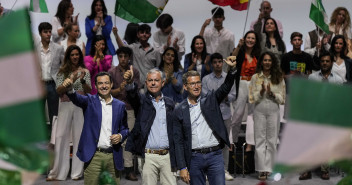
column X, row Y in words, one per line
column 156, row 70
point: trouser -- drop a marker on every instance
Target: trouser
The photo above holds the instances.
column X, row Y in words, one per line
column 100, row 162
column 155, row 165
column 70, row 119
column 52, row 99
column 239, row 109
column 266, row 117
column 225, row 150
column 127, row 156
column 210, row 165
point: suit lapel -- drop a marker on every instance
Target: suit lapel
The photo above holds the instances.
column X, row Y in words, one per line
column 99, row 109
column 185, row 112
column 114, row 117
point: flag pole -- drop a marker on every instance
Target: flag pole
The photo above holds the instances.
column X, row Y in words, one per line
column 317, row 30
column 245, row 24
column 115, row 20
column 215, row 11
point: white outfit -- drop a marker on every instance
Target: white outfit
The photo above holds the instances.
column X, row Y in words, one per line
column 79, row 43
column 348, row 32
column 340, row 70
column 222, row 42
column 160, row 40
column 266, row 117
column 155, row 166
column 55, row 22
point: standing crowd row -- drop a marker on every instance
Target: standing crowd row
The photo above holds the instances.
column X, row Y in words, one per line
column 175, row 118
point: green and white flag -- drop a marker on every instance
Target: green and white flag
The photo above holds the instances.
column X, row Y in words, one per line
column 137, row 11
column 23, row 134
column 318, row 15
column 319, row 129
column 38, row 6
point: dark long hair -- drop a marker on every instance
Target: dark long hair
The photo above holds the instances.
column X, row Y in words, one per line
column 176, row 62
column 193, row 48
column 67, row 67
column 95, row 40
column 275, row 71
column 332, row 47
column 280, row 44
column 131, row 33
column 92, row 9
column 256, row 48
column 61, row 10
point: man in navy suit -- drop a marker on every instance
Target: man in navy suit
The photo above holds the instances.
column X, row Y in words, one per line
column 105, row 128
column 199, row 130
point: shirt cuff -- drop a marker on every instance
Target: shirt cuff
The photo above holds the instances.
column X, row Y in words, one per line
column 71, row 91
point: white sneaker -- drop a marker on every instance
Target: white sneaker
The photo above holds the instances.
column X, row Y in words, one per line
column 228, row 176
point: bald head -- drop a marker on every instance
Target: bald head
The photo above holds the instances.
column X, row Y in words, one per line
column 265, row 9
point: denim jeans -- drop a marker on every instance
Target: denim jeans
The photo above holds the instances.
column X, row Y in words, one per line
column 210, row 165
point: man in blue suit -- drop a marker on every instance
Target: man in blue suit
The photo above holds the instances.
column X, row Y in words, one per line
column 105, row 128
column 199, row 130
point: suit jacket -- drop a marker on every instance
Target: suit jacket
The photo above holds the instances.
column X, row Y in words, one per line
column 57, row 57
column 210, row 107
column 92, row 124
column 106, row 31
column 145, row 117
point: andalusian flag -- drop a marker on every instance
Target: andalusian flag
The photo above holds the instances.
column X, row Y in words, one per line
column 22, row 125
column 318, row 15
column 319, row 130
column 235, row 4
column 38, row 6
column 137, row 11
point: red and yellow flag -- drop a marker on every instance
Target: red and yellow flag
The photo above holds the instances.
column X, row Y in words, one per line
column 235, row 4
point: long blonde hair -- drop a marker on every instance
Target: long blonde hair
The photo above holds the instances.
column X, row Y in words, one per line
column 334, row 15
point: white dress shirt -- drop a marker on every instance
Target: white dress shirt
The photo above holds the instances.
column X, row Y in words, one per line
column 106, row 123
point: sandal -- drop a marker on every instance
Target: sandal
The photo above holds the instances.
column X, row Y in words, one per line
column 325, row 175
column 305, row 176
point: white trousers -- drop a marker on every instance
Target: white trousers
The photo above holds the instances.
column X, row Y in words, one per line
column 157, row 166
column 239, row 111
column 266, row 117
column 70, row 119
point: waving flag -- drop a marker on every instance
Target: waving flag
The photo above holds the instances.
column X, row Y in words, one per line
column 318, row 15
column 137, row 11
column 320, row 126
column 235, row 4
column 38, row 6
column 22, row 125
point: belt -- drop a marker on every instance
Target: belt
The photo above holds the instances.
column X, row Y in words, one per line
column 248, row 78
column 207, row 150
column 105, row 150
column 159, row 151
column 49, row 81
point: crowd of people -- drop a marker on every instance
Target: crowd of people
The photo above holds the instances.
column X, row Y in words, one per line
column 176, row 119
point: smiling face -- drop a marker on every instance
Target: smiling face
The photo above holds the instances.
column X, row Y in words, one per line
column 98, row 7
column 74, row 57
column 250, row 40
column 103, row 85
column 199, row 45
column 169, row 56
column 143, row 36
column 154, row 83
column 193, row 86
column 267, row 63
column 101, row 43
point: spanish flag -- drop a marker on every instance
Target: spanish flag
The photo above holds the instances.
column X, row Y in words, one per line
column 235, row 4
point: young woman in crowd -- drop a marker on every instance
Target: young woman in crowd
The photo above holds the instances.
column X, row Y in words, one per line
column 271, row 39
column 198, row 59
column 131, row 33
column 340, row 23
column 99, row 23
column 342, row 64
column 247, row 53
column 97, row 60
column 61, row 19
column 70, row 117
column 266, row 92
column 172, row 69
column 72, row 30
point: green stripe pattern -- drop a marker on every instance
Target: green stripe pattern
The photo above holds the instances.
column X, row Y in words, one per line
column 10, row 177
column 41, row 4
column 317, row 14
column 15, row 34
column 137, row 11
column 320, row 103
column 23, row 138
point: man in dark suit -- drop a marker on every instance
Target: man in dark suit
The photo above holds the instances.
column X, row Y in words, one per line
column 199, row 130
column 152, row 135
column 105, row 128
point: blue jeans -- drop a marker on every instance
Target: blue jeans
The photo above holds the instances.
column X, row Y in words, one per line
column 211, row 165
column 52, row 99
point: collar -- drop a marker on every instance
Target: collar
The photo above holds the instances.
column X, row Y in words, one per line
column 154, row 100
column 261, row 75
column 223, row 74
column 321, row 74
column 42, row 48
column 191, row 105
column 103, row 100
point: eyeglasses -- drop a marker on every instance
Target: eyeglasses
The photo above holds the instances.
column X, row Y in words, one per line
column 193, row 84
